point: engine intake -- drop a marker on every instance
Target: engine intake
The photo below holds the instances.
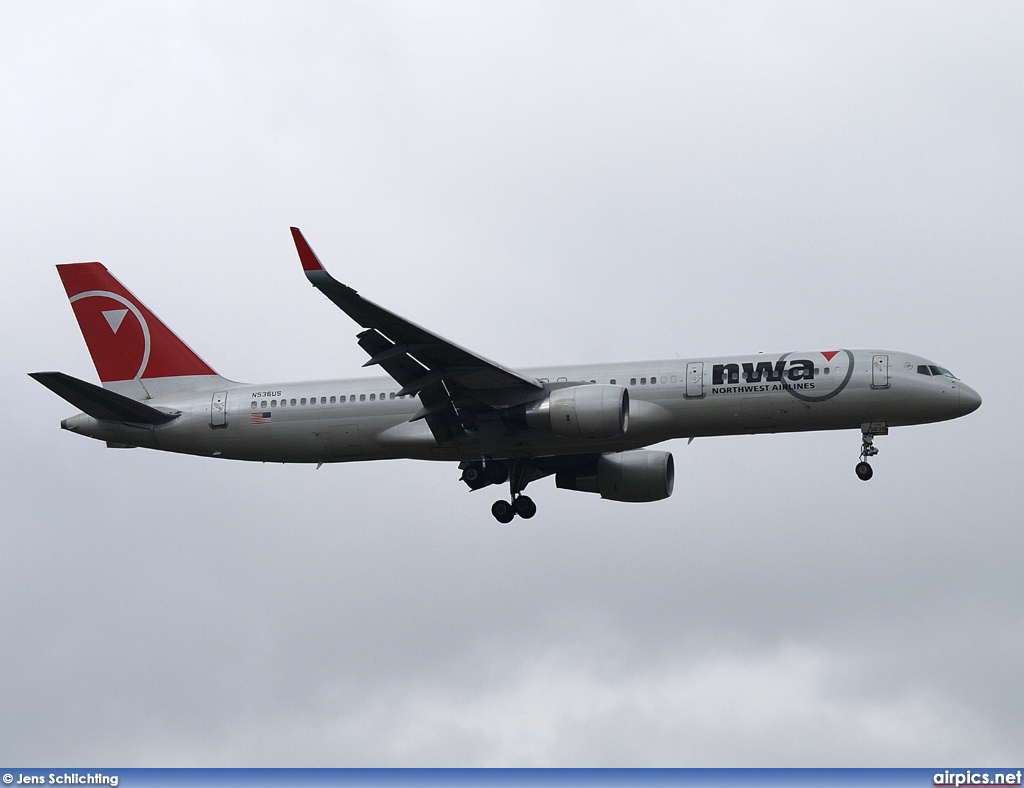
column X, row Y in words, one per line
column 589, row 411
column 632, row 476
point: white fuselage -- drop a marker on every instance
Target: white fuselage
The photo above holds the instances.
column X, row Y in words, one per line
column 363, row 419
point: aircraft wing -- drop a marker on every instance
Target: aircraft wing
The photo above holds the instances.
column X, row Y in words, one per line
column 456, row 386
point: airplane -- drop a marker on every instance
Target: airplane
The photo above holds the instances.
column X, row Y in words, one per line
column 588, row 425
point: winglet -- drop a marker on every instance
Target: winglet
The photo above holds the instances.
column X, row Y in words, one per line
column 307, row 256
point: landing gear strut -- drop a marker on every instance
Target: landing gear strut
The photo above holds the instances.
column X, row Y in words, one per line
column 520, row 504
column 868, row 448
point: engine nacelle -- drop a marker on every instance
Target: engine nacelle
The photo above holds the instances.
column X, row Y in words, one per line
column 589, row 411
column 632, row 476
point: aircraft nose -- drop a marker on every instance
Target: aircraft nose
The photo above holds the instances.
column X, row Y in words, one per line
column 970, row 400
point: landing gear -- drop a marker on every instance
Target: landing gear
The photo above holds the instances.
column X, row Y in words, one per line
column 524, row 506
column 503, row 511
column 520, row 504
column 479, row 474
column 868, row 448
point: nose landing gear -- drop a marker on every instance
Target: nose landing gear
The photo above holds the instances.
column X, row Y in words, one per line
column 868, row 448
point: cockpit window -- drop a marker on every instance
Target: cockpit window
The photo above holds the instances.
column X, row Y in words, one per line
column 931, row 369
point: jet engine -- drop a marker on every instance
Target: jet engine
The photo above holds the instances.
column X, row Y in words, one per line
column 632, row 476
column 589, row 411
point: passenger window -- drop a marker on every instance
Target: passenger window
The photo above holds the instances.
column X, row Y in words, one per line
column 284, row 403
column 254, row 405
column 632, row 381
column 373, row 397
column 293, row 403
column 391, row 395
column 362, row 398
column 332, row 400
column 612, row 381
column 302, row 401
column 273, row 403
column 664, row 379
column 643, row 381
column 674, row 379
column 263, row 404
column 382, row 395
column 826, row 371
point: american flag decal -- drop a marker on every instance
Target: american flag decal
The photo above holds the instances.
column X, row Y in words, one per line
column 260, row 418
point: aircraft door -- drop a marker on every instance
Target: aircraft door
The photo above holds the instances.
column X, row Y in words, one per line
column 695, row 379
column 879, row 372
column 219, row 409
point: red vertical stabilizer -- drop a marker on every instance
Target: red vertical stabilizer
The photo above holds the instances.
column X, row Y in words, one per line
column 127, row 341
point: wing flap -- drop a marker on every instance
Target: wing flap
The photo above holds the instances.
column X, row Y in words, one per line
column 438, row 410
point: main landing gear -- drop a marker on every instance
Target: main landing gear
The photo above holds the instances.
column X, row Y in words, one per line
column 868, row 448
column 520, row 504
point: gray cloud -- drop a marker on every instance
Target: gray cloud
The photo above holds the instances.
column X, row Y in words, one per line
column 543, row 184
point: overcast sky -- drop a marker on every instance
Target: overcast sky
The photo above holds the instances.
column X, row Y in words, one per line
column 543, row 183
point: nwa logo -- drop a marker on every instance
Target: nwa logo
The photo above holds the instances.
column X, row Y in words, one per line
column 795, row 376
column 798, row 369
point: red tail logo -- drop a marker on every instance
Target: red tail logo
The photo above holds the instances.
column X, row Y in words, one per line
column 125, row 339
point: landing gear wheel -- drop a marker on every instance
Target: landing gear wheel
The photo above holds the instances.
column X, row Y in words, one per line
column 864, row 471
column 503, row 511
column 525, row 507
column 497, row 472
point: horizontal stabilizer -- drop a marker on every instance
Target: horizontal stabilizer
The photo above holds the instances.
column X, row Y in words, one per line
column 101, row 403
